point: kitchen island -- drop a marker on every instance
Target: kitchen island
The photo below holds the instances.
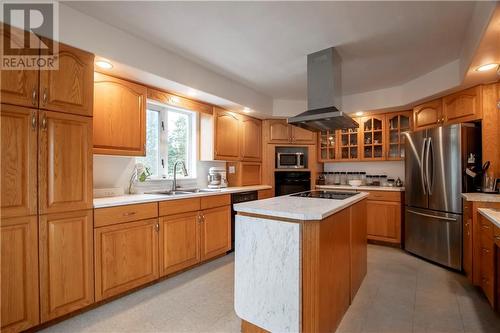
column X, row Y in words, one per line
column 299, row 261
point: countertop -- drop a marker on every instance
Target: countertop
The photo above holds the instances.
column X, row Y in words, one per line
column 361, row 188
column 484, row 197
column 143, row 198
column 491, row 214
column 298, row 208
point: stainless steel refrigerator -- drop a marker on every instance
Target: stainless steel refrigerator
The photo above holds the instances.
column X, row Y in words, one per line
column 435, row 162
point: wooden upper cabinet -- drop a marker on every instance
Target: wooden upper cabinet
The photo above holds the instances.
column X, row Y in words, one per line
column 463, row 106
column 119, row 116
column 373, row 137
column 251, row 139
column 226, row 141
column 66, row 263
column 19, row 273
column 215, row 232
column 65, row 162
column 302, row 136
column 279, row 131
column 396, row 124
column 427, row 115
column 70, row 88
column 179, row 242
column 18, row 87
column 126, row 256
column 18, row 179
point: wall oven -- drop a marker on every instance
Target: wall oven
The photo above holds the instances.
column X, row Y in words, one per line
column 289, row 182
column 290, row 160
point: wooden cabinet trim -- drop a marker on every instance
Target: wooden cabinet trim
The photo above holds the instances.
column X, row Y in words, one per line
column 19, row 273
column 178, row 101
column 187, row 258
column 215, row 201
column 120, row 270
column 79, row 100
column 119, row 130
column 212, row 227
column 171, row 207
column 59, row 168
column 19, row 161
column 66, row 280
column 127, row 213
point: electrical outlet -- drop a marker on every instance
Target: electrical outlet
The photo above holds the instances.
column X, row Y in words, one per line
column 232, row 169
column 108, row 192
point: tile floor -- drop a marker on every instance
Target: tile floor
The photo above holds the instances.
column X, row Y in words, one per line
column 400, row 294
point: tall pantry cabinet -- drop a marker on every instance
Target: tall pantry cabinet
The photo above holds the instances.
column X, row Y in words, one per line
column 46, row 191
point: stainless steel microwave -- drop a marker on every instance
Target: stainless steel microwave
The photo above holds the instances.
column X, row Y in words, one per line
column 290, row 161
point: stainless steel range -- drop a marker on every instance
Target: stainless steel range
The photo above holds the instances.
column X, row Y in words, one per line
column 325, row 195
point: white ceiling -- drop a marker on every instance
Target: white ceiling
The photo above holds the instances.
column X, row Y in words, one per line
column 264, row 44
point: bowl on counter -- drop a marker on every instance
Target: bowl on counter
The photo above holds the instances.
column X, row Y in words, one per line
column 355, row 182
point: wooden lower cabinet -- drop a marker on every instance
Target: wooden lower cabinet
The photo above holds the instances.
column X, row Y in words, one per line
column 384, row 221
column 467, row 240
column 126, row 256
column 358, row 246
column 66, row 263
column 215, row 232
column 486, row 261
column 265, row 194
column 179, row 242
column 19, row 273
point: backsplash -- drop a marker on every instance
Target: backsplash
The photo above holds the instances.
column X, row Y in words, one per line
column 392, row 169
column 115, row 171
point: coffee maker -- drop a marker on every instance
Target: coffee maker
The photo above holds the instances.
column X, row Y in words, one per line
column 217, row 177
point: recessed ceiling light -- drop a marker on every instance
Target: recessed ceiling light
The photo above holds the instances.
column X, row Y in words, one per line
column 104, row 64
column 247, row 110
column 192, row 92
column 486, row 67
column 359, row 113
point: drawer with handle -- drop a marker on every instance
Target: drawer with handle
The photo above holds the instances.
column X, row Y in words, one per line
column 384, row 196
column 121, row 214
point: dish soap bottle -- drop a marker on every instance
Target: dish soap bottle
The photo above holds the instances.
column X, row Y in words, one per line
column 399, row 183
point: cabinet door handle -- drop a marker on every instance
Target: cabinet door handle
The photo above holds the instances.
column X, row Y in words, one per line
column 33, row 96
column 157, row 227
column 199, row 218
column 44, row 121
column 45, row 96
column 497, row 237
column 33, row 120
column 129, row 213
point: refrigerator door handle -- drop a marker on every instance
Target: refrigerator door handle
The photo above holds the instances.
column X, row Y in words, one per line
column 422, row 170
column 428, row 176
column 433, row 216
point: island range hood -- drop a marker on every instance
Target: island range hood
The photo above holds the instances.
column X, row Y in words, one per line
column 324, row 94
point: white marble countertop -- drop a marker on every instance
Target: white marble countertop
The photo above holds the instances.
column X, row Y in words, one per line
column 298, row 208
column 491, row 214
column 484, row 197
column 361, row 188
column 144, row 198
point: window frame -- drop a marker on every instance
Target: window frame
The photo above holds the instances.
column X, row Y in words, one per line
column 192, row 145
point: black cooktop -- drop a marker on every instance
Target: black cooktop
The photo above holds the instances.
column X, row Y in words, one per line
column 325, row 195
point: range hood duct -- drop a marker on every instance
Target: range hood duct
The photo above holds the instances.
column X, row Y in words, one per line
column 324, row 94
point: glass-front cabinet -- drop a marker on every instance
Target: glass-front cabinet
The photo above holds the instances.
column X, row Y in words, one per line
column 397, row 123
column 373, row 137
column 379, row 137
column 328, row 146
column 349, row 143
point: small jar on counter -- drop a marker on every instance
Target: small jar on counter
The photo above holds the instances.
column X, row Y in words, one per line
column 362, row 177
column 343, row 178
column 329, row 178
column 376, row 180
column 383, row 180
column 369, row 180
column 336, row 178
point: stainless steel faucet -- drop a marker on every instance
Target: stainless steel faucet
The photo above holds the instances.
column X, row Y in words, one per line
column 184, row 171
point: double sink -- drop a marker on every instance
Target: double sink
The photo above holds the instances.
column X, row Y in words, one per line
column 184, row 191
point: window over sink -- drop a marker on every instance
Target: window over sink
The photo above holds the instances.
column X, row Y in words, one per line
column 170, row 137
